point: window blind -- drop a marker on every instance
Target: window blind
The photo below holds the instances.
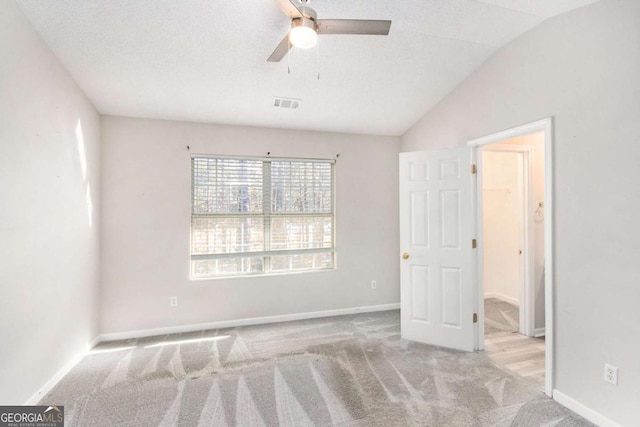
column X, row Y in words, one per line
column 252, row 216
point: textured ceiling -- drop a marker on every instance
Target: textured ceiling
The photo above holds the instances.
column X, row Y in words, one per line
column 205, row 60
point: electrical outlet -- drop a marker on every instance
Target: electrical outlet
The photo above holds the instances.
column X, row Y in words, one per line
column 173, row 301
column 374, row 285
column 611, row 374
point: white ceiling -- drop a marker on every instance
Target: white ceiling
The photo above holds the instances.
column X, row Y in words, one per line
column 205, row 60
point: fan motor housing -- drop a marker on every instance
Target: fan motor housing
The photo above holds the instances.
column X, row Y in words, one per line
column 304, row 22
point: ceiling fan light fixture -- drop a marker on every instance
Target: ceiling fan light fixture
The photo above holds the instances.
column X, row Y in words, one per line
column 303, row 33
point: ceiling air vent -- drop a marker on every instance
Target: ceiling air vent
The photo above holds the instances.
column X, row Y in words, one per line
column 291, row 103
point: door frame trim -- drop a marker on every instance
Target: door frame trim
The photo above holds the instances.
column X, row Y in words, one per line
column 527, row 295
column 546, row 127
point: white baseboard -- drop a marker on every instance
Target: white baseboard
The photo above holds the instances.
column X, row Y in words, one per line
column 244, row 322
column 583, row 410
column 46, row 388
column 502, row 297
column 539, row 332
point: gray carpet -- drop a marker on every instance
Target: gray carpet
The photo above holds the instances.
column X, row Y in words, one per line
column 500, row 316
column 348, row 371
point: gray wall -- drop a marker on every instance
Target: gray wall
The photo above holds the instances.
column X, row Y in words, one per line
column 49, row 238
column 583, row 69
column 146, row 223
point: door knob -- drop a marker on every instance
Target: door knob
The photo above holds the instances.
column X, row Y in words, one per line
column 405, row 255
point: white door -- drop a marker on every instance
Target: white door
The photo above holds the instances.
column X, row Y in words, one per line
column 437, row 265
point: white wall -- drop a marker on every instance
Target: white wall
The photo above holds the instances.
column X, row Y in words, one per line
column 49, row 239
column 146, row 220
column 581, row 68
column 502, row 199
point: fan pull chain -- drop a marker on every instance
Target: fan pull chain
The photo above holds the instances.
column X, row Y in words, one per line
column 318, row 58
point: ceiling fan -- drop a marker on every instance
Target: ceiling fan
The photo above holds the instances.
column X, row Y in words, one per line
column 305, row 27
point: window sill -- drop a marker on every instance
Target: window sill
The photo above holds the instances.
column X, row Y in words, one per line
column 259, row 275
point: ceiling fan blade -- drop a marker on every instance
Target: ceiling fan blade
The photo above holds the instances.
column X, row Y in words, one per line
column 289, row 8
column 281, row 50
column 353, row 26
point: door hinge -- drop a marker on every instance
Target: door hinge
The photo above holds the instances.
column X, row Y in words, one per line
column 474, row 243
column 475, row 317
column 474, row 169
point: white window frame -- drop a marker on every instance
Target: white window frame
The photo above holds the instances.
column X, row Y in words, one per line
column 267, row 253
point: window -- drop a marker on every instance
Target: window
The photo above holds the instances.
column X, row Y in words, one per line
column 258, row 216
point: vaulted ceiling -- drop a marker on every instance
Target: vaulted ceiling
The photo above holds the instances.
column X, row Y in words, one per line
column 205, row 60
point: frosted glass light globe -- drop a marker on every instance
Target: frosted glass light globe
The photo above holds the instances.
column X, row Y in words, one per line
column 303, row 37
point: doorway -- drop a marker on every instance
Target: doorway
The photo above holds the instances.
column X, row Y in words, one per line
column 514, row 257
column 511, row 181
